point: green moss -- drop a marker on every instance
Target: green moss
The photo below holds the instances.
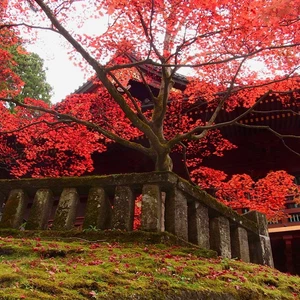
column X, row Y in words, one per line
column 14, row 209
column 60, row 219
column 84, row 183
column 6, row 280
column 45, row 286
column 116, row 270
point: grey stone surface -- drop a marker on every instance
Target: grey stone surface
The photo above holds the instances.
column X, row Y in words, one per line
column 163, row 209
column 184, row 211
column 40, row 210
column 2, row 204
column 65, row 214
column 151, row 208
column 98, row 210
column 176, row 214
column 240, row 244
column 198, row 222
column 123, row 210
column 260, row 245
column 220, row 236
column 14, row 209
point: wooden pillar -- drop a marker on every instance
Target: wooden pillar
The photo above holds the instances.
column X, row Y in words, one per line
column 288, row 252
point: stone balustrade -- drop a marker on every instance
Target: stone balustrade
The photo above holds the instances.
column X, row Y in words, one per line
column 168, row 203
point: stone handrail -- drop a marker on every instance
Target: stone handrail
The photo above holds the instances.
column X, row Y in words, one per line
column 168, row 203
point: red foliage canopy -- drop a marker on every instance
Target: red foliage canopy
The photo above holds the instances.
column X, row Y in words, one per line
column 267, row 195
column 36, row 144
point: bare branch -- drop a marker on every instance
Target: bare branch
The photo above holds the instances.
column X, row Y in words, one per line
column 29, row 26
column 148, row 33
column 133, row 101
column 185, row 166
column 276, row 111
column 34, row 124
column 190, row 134
column 245, row 87
column 221, row 103
column 289, row 148
column 129, row 65
column 226, row 60
column 88, row 124
column 279, row 135
column 268, row 128
column 102, row 75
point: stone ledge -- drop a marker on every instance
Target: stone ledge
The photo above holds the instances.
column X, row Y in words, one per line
column 216, row 208
column 83, row 184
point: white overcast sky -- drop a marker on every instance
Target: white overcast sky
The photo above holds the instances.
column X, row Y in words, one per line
column 61, row 73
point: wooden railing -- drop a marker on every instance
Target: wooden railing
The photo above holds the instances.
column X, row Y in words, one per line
column 168, row 203
column 292, row 214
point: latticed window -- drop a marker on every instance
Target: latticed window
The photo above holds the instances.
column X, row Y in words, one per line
column 292, row 205
column 294, row 218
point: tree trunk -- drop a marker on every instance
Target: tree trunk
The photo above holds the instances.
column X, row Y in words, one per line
column 163, row 163
column 160, row 154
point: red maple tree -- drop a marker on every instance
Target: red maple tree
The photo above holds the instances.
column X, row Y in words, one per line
column 216, row 41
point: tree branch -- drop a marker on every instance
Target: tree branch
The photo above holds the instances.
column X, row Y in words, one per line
column 279, row 135
column 29, row 26
column 133, row 101
column 88, row 124
column 221, row 103
column 189, row 135
column 226, row 60
column 268, row 128
column 101, row 73
column 34, row 124
column 147, row 61
column 289, row 148
column 276, row 111
column 185, row 166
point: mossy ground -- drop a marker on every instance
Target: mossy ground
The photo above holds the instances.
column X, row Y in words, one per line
column 48, row 268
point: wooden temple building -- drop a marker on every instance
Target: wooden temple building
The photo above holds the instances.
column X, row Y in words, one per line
column 258, row 152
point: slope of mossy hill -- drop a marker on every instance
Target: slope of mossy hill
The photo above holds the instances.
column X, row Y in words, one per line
column 114, row 266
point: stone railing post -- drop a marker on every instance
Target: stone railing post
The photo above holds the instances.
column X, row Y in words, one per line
column 198, row 222
column 220, row 236
column 151, row 208
column 14, row 209
column 260, row 245
column 66, row 210
column 98, row 209
column 240, row 244
column 123, row 211
column 40, row 210
column 176, row 214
